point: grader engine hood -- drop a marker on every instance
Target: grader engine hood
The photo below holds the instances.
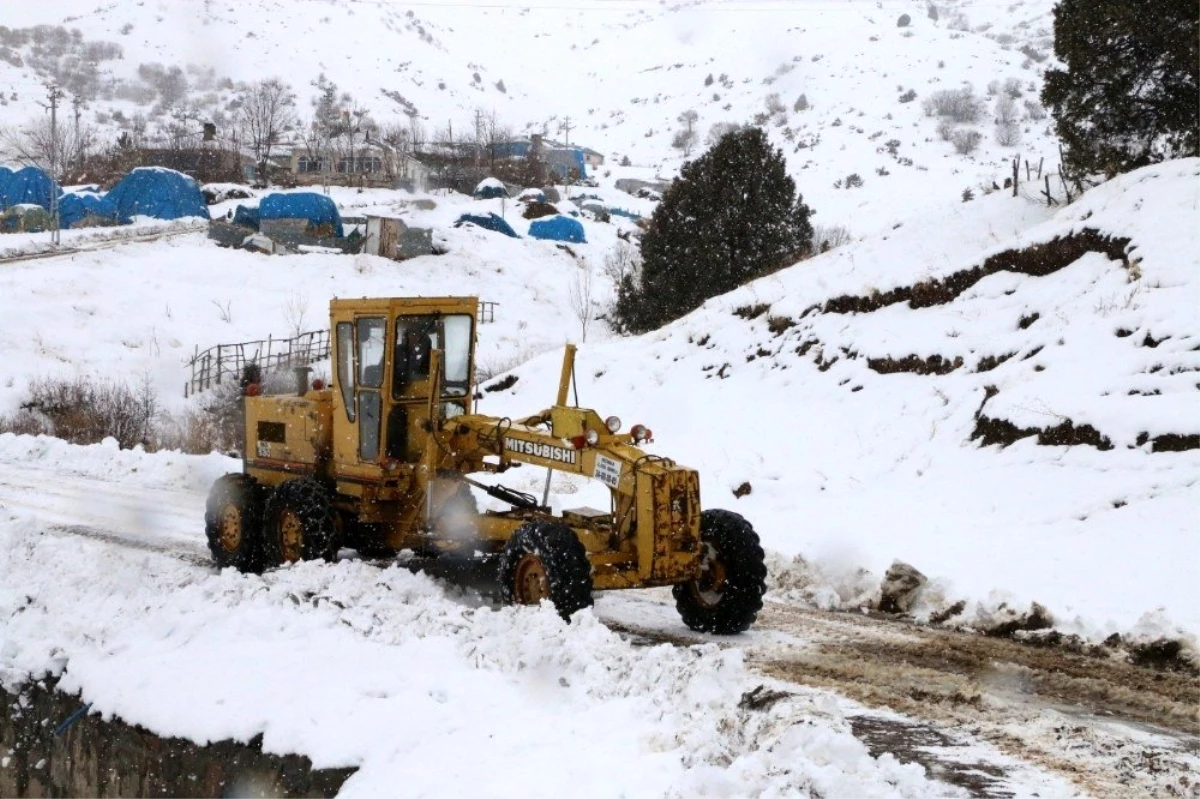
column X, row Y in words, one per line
column 292, row 434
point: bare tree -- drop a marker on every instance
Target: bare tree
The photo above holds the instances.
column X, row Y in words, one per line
column 33, row 144
column 267, row 110
column 580, row 298
column 416, row 134
column 686, row 138
column 317, row 141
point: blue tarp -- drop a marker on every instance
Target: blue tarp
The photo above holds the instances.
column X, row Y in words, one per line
column 246, row 217
column 157, row 192
column 5, row 176
column 489, row 222
column 316, row 208
column 490, row 189
column 558, row 228
column 74, row 208
column 28, row 185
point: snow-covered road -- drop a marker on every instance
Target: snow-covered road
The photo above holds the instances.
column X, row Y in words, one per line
column 842, row 699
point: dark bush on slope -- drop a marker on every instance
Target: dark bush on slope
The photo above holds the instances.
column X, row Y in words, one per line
column 732, row 216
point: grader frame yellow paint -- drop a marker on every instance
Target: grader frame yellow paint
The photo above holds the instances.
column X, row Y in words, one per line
column 395, row 436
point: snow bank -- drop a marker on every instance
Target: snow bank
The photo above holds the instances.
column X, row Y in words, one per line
column 383, row 670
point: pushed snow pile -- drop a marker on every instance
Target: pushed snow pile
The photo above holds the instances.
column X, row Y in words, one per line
column 29, row 185
column 157, row 192
column 316, row 209
column 491, row 222
column 558, row 228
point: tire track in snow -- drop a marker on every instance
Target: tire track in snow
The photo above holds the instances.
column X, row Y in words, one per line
column 1112, row 728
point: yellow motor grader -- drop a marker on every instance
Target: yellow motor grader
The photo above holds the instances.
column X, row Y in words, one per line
column 382, row 461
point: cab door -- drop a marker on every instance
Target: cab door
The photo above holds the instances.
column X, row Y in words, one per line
column 360, row 350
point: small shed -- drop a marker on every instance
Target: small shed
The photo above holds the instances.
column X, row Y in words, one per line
column 558, row 228
column 390, row 237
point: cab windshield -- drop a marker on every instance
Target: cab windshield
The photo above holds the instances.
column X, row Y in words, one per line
column 417, row 337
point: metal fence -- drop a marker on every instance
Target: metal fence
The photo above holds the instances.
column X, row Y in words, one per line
column 229, row 361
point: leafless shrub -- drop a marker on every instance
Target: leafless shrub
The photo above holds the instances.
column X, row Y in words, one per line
column 1008, row 128
column 622, row 261
column 295, row 313
column 1034, row 110
column 959, row 105
column 945, row 129
column 966, row 140
column 86, row 411
column 827, row 238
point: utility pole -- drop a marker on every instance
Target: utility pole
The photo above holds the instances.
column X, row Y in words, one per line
column 567, row 127
column 53, row 95
column 77, row 107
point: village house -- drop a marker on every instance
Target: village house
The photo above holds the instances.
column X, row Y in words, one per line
column 371, row 164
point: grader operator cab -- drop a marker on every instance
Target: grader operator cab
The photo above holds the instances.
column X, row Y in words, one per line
column 382, row 462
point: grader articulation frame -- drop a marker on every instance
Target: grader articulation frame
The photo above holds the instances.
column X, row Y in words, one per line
column 381, row 462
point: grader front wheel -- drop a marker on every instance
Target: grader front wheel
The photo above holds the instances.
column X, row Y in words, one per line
column 545, row 560
column 299, row 524
column 726, row 597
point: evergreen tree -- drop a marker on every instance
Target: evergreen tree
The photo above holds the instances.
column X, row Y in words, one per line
column 1129, row 94
column 733, row 215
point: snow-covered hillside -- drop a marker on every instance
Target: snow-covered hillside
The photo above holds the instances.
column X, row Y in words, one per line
column 622, row 73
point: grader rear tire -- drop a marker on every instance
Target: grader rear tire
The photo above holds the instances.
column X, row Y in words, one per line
column 233, row 523
column 545, row 560
column 298, row 523
column 727, row 596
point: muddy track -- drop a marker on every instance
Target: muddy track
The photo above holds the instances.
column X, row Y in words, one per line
column 1109, row 727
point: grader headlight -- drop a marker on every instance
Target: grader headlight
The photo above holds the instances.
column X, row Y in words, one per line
column 613, row 423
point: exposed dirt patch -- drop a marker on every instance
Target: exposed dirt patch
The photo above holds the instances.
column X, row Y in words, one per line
column 932, row 365
column 538, row 209
column 1003, row 432
column 779, row 324
column 911, row 742
column 752, row 311
column 1173, row 442
column 989, row 362
column 1038, row 260
column 503, row 384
